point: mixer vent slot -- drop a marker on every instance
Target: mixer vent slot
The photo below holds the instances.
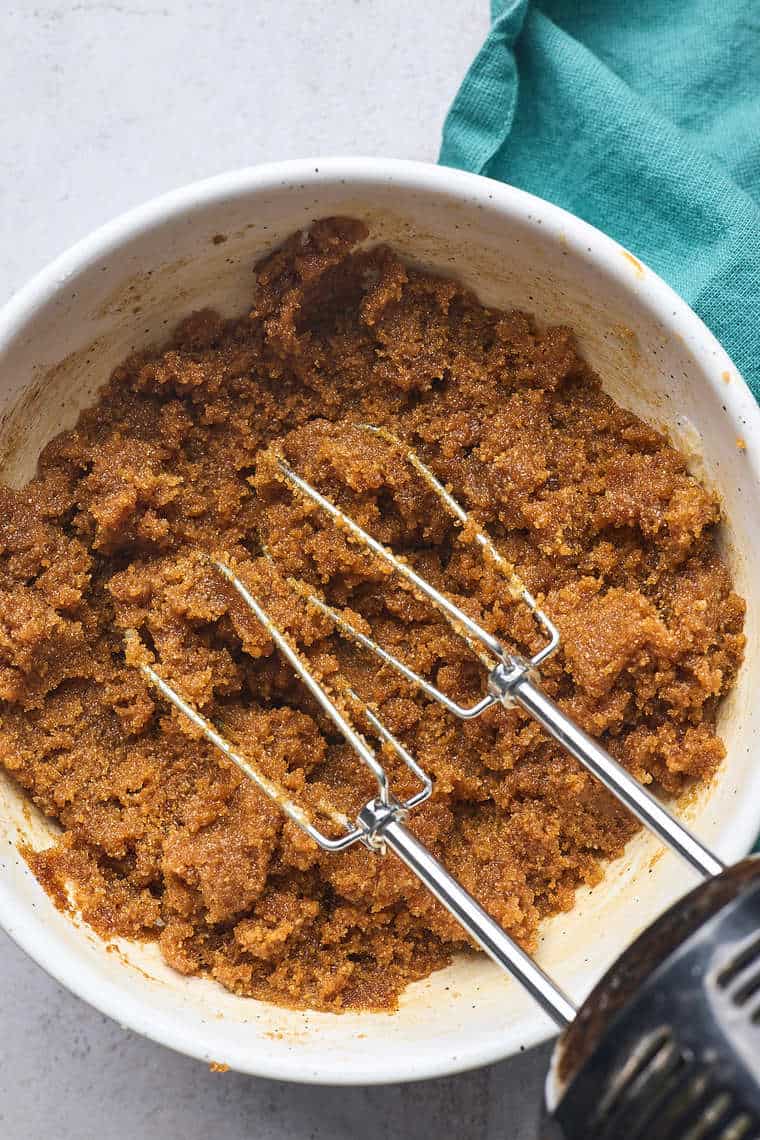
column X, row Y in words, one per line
column 663, row 1093
column 748, row 956
column 740, row 978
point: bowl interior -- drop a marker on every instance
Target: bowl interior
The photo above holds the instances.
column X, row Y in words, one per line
column 125, row 288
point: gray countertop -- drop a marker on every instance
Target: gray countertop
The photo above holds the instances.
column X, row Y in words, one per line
column 106, row 104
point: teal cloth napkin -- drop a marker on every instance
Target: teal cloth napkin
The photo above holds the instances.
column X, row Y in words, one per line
column 642, row 118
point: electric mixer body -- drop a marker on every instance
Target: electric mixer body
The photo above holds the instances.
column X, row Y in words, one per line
column 667, row 1045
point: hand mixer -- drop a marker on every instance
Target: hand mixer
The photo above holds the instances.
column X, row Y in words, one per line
column 667, row 1046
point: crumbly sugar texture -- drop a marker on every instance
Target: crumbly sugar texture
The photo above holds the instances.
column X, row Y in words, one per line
column 163, row 839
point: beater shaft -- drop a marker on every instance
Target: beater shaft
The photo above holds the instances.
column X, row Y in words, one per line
column 514, row 685
column 387, row 828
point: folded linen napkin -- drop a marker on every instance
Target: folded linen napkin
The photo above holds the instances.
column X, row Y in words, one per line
column 642, row 118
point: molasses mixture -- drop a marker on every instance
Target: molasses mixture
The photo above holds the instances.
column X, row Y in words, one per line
column 163, row 839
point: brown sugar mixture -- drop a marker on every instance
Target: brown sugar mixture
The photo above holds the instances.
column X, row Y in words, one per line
column 163, row 839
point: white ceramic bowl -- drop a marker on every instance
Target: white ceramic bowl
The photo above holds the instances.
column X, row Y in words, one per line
column 123, row 288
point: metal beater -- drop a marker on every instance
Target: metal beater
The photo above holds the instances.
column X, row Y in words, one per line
column 667, row 1045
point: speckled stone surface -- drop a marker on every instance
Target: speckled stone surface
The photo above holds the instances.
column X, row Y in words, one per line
column 106, row 104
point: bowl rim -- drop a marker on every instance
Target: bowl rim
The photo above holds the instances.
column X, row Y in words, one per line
column 671, row 311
